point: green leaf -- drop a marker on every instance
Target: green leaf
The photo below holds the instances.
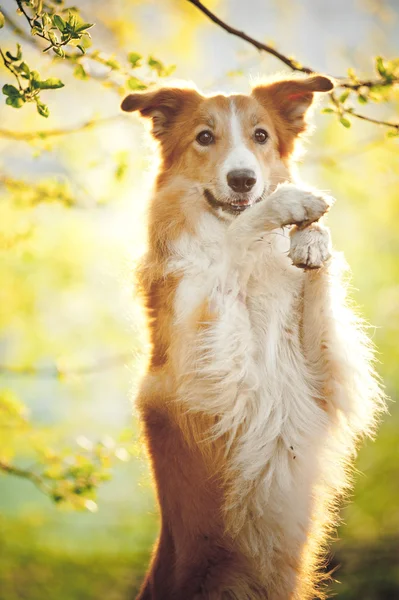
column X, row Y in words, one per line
column 113, row 64
column 379, row 65
column 2, row 20
column 52, row 37
column 168, row 71
column 135, row 84
column 345, row 122
column 352, row 74
column 156, row 65
column 134, row 58
column 18, row 56
column 52, row 83
column 59, row 52
column 393, row 133
column 10, row 90
column 42, row 109
column 46, row 20
column 344, row 96
column 80, row 73
column 327, row 110
column 362, row 99
column 59, row 22
column 83, row 51
column 72, row 19
column 83, row 27
column 15, row 101
column 24, row 68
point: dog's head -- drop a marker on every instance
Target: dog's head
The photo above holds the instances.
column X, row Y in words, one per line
column 234, row 148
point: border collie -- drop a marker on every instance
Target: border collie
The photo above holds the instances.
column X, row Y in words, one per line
column 260, row 381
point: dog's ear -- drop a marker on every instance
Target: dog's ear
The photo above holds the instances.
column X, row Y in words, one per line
column 162, row 106
column 287, row 101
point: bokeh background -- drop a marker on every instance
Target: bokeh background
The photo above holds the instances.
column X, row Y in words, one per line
column 72, row 343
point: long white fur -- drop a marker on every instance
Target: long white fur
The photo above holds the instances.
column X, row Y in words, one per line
column 285, row 367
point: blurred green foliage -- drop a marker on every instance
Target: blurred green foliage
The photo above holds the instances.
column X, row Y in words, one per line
column 72, row 343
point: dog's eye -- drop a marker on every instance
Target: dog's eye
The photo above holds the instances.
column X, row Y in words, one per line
column 261, row 136
column 205, row 138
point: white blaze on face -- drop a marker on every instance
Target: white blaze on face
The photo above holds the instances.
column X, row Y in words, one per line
column 240, row 156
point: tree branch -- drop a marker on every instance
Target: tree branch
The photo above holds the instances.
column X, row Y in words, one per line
column 15, row 28
column 298, row 67
column 22, row 473
column 55, row 372
column 348, row 111
column 28, row 136
column 292, row 64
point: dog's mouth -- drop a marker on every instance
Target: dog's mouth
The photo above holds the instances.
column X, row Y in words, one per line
column 234, row 206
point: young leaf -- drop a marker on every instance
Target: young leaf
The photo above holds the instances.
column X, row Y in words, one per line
column 134, row 58
column 10, row 90
column 344, row 96
column 15, row 101
column 345, row 122
column 84, row 27
column 24, row 68
column 113, row 64
column 52, row 37
column 46, row 20
column 381, row 68
column 59, row 23
column 352, row 74
column 59, row 52
column 18, row 55
column 80, row 73
column 135, row 84
column 42, row 109
column 52, row 83
column 327, row 110
column 156, row 65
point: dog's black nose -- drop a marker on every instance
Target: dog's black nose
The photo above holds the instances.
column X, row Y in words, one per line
column 241, row 180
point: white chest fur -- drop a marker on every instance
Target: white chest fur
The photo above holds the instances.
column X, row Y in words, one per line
column 247, row 367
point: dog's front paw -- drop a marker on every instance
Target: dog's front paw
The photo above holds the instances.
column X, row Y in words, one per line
column 310, row 247
column 294, row 205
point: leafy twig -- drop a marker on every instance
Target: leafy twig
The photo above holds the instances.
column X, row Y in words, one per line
column 45, row 24
column 342, row 110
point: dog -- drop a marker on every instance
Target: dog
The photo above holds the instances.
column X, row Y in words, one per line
column 261, row 380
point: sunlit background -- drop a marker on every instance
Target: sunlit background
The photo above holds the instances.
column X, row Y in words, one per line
column 72, row 216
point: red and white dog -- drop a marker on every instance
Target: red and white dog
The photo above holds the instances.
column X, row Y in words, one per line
column 260, row 380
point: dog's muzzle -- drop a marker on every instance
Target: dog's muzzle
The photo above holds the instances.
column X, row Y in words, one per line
column 233, row 207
